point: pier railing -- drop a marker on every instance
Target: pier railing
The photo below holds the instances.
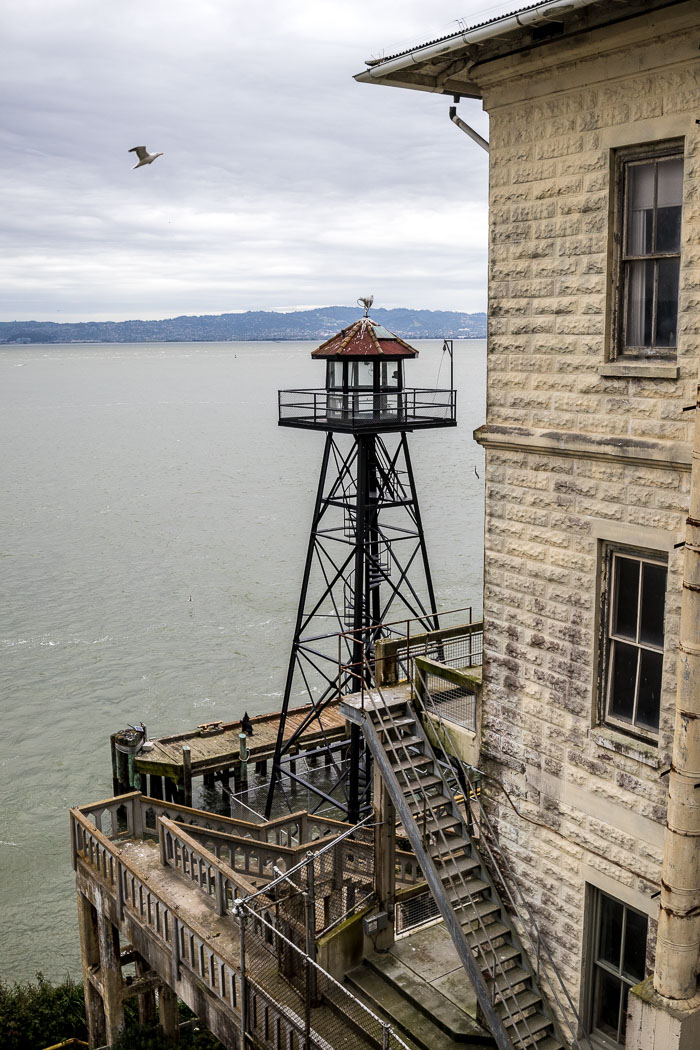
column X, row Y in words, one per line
column 186, row 942
column 260, row 985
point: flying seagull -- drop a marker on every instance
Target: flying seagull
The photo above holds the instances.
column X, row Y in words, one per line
column 144, row 156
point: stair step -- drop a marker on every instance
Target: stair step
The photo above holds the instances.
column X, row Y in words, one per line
column 482, row 935
column 505, row 953
column 482, row 909
column 402, row 741
column 447, row 844
column 465, row 892
column 394, row 723
column 422, row 783
column 523, row 1000
column 508, row 980
column 527, row 1027
column 412, row 762
column 550, row 1042
column 435, row 823
column 451, row 867
column 429, row 804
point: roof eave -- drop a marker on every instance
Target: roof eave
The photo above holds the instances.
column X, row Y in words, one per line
column 421, row 82
column 404, row 70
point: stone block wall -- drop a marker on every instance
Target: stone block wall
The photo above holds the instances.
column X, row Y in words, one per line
column 578, row 455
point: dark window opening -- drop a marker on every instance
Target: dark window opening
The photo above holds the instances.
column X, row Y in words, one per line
column 634, row 642
column 648, row 212
column 619, row 939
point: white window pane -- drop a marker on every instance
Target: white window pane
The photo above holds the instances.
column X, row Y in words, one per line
column 640, row 303
column 361, row 373
column 670, row 187
column 640, row 208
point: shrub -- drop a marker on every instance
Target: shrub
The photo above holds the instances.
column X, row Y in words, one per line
column 34, row 1015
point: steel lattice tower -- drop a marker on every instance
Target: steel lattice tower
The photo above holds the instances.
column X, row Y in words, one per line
column 366, row 562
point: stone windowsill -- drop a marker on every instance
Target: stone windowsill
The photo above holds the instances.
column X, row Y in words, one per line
column 614, row 740
column 640, row 369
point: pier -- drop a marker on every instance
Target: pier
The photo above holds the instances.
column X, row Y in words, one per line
column 221, row 751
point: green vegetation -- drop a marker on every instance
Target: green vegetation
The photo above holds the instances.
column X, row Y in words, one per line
column 36, row 1014
column 39, row 1014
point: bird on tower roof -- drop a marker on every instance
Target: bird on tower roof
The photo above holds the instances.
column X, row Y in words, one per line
column 365, row 338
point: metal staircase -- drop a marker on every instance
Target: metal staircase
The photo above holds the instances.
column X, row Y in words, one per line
column 511, row 1002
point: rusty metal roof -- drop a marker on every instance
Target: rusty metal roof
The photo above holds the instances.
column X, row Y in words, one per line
column 365, row 338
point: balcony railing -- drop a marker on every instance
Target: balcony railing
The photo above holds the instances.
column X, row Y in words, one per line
column 358, row 409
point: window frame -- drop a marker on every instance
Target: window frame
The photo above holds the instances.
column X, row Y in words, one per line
column 608, row 638
column 622, row 160
column 594, row 964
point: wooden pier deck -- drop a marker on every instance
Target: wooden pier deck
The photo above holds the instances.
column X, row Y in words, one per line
column 216, row 747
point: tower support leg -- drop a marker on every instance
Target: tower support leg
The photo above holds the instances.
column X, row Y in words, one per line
column 365, row 546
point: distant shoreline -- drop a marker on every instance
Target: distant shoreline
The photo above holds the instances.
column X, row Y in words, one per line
column 250, row 327
column 173, row 342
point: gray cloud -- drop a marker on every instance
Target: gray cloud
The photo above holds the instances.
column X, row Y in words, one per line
column 284, row 183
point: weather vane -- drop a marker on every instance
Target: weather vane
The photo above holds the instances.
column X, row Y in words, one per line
column 366, row 301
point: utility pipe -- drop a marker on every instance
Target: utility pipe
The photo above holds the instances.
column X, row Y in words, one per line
column 678, row 939
column 545, row 12
column 467, row 130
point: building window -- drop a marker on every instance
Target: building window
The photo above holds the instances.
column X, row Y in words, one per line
column 648, row 244
column 634, row 642
column 616, row 964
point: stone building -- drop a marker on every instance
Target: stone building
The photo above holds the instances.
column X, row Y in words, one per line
column 594, row 286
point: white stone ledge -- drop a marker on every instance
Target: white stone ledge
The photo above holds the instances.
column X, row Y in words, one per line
column 641, row 901
column 639, row 370
column 648, row 452
column 590, row 801
column 639, row 750
column 635, row 535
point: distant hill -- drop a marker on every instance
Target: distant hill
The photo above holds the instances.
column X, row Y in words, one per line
column 255, row 324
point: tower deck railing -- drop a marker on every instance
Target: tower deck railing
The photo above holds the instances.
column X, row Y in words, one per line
column 352, row 410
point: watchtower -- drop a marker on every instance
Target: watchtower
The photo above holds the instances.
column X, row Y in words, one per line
column 366, row 563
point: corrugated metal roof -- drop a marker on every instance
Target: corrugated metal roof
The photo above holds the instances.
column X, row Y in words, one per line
column 458, row 33
column 365, row 338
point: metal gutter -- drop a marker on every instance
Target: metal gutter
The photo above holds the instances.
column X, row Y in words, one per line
column 541, row 13
column 675, row 972
column 463, row 126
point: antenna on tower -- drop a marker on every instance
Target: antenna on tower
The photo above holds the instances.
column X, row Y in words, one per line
column 366, row 302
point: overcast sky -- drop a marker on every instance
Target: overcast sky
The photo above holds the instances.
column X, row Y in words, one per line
column 284, row 183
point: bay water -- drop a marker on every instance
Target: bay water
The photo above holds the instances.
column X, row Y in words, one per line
column 153, row 525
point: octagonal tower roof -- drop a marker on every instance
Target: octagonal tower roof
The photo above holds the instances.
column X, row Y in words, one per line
column 365, row 338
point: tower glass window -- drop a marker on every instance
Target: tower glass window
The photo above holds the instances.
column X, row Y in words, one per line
column 617, row 963
column 635, row 642
column 648, row 235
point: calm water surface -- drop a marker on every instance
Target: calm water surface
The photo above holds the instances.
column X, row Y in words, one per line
column 154, row 520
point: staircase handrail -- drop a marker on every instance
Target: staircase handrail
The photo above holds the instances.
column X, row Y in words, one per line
column 505, row 872
column 491, row 960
